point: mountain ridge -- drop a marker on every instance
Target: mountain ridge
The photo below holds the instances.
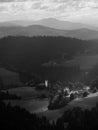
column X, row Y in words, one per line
column 38, row 30
column 49, row 22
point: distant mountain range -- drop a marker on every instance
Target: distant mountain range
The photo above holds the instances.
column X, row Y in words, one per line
column 52, row 23
column 37, row 30
column 48, row 27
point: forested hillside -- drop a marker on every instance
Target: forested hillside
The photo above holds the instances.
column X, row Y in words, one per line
column 31, row 54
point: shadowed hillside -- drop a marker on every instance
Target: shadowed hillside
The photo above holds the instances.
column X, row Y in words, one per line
column 30, row 54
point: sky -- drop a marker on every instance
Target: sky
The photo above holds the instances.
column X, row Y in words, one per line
column 84, row 11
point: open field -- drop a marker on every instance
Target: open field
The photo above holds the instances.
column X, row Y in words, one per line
column 30, row 99
column 85, row 103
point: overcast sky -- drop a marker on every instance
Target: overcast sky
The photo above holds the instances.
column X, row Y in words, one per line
column 85, row 11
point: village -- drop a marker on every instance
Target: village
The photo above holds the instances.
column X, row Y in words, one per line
column 61, row 93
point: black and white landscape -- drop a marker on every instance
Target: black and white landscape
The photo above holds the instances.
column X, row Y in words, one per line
column 48, row 65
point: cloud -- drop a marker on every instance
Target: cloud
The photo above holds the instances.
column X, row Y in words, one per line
column 73, row 10
column 3, row 8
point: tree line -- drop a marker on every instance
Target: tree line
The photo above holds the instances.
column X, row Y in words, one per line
column 15, row 118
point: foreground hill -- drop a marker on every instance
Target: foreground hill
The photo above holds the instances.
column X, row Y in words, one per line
column 41, row 106
column 38, row 30
column 85, row 104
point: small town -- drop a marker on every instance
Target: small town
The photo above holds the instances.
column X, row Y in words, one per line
column 61, row 93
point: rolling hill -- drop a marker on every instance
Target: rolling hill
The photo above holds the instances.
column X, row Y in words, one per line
column 38, row 30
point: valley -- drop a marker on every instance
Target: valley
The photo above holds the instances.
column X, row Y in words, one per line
column 48, row 65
